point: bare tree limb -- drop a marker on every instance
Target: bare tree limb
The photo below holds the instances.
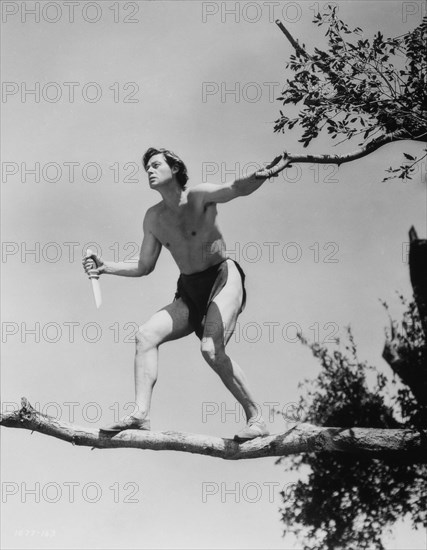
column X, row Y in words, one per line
column 382, row 443
column 299, row 49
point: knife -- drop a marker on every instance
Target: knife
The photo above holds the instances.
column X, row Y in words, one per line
column 94, row 279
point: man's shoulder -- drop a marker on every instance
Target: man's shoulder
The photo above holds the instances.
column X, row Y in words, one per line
column 153, row 210
column 201, row 188
column 201, row 191
column 152, row 213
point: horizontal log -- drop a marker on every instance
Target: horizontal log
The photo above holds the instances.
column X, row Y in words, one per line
column 382, row 443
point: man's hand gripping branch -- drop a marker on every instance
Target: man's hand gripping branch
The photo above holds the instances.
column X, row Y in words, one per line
column 273, row 169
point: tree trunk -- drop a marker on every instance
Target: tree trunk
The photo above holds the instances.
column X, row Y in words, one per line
column 410, row 368
column 418, row 274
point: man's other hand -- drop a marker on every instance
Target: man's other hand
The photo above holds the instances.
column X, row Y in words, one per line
column 272, row 170
column 93, row 265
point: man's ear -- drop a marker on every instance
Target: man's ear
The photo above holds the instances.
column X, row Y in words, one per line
column 175, row 169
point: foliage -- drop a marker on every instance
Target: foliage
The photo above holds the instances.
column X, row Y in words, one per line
column 351, row 501
column 360, row 88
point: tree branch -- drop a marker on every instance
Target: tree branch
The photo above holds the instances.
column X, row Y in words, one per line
column 299, row 49
column 381, row 443
column 289, row 158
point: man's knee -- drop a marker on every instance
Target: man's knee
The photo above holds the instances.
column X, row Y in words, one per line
column 145, row 339
column 213, row 353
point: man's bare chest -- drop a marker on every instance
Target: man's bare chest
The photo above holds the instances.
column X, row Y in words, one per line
column 187, row 227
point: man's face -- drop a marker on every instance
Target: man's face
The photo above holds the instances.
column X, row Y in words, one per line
column 158, row 170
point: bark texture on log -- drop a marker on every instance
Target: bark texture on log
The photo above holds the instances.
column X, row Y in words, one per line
column 381, row 443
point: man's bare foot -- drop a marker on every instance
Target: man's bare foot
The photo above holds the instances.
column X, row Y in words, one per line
column 127, row 423
column 254, row 428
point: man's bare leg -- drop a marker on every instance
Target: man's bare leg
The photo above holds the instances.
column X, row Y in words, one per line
column 170, row 323
column 229, row 371
column 219, row 326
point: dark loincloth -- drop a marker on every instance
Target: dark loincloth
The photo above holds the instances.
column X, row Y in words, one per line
column 199, row 289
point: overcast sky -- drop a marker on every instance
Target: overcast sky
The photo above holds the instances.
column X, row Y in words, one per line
column 320, row 246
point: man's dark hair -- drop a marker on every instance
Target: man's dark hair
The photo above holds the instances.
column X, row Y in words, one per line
column 172, row 160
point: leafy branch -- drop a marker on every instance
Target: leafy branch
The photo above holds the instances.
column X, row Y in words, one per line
column 376, row 88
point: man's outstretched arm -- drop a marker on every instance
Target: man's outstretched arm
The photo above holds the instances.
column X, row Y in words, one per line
column 137, row 266
column 240, row 187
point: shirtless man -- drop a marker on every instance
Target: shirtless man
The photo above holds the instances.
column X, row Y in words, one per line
column 210, row 292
